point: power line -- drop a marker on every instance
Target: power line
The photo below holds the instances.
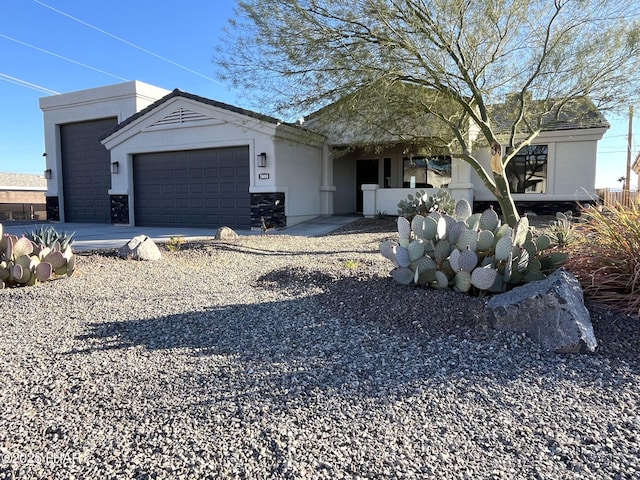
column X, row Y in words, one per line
column 60, row 56
column 131, row 44
column 24, row 83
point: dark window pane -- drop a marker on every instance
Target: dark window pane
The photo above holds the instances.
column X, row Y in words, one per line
column 527, row 171
column 429, row 172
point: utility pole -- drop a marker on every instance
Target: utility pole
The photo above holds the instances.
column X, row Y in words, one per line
column 626, row 194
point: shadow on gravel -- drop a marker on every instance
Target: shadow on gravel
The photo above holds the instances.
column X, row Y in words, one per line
column 252, row 250
column 370, row 338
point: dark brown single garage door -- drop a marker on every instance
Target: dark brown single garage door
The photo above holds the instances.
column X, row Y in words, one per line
column 86, row 171
column 193, row 188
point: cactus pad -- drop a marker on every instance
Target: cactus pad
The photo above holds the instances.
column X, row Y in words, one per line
column 402, row 275
column 387, row 250
column 21, row 274
column 454, row 231
column 462, row 281
column 442, row 228
column 442, row 281
column 55, row 259
column 489, row 219
column 5, row 272
column 417, row 224
column 454, row 260
column 71, row 266
column 44, row 271
column 425, row 263
column 404, row 227
column 441, row 250
column 463, row 210
column 416, row 250
column 468, row 238
column 402, row 256
column 483, row 278
column 543, row 242
column 22, row 246
column 473, row 221
column 429, row 228
column 468, row 260
column 485, row 240
column 503, row 248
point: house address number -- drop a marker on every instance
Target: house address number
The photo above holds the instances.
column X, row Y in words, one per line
column 263, row 176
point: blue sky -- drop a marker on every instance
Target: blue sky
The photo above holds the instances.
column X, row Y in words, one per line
column 184, row 33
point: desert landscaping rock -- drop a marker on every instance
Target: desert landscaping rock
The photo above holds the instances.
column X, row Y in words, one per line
column 140, row 247
column 290, row 358
column 226, row 233
column 550, row 311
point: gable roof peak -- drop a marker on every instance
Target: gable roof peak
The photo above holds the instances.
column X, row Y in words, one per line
column 175, row 93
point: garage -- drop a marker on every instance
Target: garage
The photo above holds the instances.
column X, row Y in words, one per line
column 86, row 177
column 193, row 188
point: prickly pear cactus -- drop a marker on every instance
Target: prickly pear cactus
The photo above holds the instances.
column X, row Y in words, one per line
column 25, row 262
column 421, row 203
column 468, row 252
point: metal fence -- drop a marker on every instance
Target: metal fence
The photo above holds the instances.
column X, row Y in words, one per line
column 14, row 212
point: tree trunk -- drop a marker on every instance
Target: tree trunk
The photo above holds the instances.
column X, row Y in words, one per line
column 505, row 200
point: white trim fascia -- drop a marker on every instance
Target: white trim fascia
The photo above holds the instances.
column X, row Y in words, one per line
column 101, row 95
column 273, row 189
column 156, row 148
column 577, row 135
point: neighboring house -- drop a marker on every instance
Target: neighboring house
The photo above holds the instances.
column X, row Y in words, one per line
column 135, row 154
column 22, row 197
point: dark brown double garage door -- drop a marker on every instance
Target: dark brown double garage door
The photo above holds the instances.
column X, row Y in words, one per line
column 194, row 188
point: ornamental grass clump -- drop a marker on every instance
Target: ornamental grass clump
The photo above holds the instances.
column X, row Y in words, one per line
column 607, row 258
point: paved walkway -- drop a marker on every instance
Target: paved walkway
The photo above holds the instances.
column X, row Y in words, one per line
column 92, row 236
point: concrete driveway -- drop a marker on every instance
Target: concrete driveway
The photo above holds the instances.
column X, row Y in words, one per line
column 92, row 236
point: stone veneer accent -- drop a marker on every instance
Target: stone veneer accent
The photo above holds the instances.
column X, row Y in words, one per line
column 539, row 208
column 53, row 209
column 270, row 206
column 120, row 209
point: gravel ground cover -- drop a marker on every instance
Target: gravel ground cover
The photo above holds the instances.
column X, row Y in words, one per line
column 294, row 358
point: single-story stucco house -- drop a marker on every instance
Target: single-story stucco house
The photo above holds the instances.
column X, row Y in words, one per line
column 136, row 154
column 22, row 197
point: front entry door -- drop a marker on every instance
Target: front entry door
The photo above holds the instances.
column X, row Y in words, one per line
column 366, row 173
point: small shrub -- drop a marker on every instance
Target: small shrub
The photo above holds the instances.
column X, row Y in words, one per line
column 351, row 265
column 606, row 260
column 175, row 243
column 562, row 231
column 381, row 214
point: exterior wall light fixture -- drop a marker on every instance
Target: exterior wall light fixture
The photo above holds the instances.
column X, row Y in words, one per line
column 115, row 167
column 48, row 174
column 262, row 160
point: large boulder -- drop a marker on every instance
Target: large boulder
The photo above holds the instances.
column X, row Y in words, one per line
column 550, row 311
column 226, row 233
column 140, row 247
